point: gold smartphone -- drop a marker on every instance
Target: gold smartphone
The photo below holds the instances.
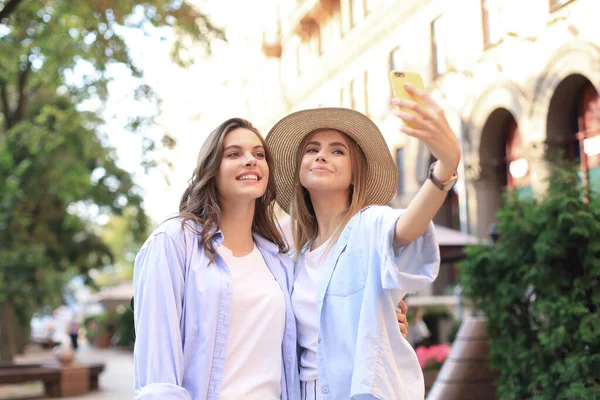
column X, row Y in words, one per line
column 398, row 79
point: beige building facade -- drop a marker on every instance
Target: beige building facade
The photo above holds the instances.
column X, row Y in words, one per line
column 517, row 80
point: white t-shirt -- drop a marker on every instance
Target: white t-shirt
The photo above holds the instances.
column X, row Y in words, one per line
column 304, row 301
column 253, row 359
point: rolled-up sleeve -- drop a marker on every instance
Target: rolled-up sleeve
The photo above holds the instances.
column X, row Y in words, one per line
column 408, row 268
column 158, row 292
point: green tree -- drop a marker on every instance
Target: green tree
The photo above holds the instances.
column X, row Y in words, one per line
column 56, row 173
column 123, row 244
column 540, row 290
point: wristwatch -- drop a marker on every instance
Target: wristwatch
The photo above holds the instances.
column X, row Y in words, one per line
column 446, row 185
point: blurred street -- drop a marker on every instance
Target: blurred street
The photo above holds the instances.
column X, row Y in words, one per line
column 116, row 382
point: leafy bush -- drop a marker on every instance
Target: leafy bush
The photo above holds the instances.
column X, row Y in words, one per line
column 540, row 289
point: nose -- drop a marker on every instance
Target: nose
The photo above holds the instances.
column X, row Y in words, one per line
column 250, row 161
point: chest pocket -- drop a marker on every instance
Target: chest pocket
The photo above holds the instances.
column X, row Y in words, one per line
column 348, row 276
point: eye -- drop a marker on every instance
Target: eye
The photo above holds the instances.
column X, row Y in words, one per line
column 232, row 155
column 311, row 150
column 338, row 152
column 259, row 155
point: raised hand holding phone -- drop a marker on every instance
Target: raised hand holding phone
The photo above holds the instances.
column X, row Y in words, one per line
column 425, row 120
column 398, row 80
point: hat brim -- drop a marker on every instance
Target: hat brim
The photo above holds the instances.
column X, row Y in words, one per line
column 285, row 137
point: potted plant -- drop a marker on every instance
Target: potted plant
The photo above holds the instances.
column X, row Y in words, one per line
column 431, row 358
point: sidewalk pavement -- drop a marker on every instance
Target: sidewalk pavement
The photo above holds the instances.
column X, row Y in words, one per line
column 116, row 382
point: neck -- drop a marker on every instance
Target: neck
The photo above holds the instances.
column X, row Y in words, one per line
column 329, row 208
column 236, row 226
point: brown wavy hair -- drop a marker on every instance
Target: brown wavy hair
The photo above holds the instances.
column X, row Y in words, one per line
column 201, row 201
column 304, row 224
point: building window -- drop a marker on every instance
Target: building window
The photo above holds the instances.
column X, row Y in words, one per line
column 304, row 56
column 491, row 12
column 358, row 93
column 395, row 64
column 327, row 34
column 342, row 97
column 298, row 57
column 357, row 11
column 400, row 164
column 396, row 59
column 438, row 46
column 556, row 4
column 315, row 42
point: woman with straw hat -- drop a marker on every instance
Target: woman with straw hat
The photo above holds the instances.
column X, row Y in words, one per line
column 357, row 257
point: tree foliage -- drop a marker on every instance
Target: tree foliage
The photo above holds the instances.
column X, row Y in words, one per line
column 56, row 173
column 540, row 289
column 123, row 244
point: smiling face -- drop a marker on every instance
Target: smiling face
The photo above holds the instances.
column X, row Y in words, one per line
column 326, row 163
column 243, row 173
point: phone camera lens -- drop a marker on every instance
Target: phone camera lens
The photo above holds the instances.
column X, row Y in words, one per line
column 399, row 75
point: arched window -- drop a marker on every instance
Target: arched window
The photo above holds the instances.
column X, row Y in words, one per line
column 573, row 124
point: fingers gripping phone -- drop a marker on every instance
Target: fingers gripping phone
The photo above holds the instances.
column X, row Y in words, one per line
column 398, row 79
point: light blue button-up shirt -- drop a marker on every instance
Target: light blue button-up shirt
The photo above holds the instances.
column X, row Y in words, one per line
column 182, row 314
column 361, row 352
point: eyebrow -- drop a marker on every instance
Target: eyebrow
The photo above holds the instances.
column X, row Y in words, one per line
column 238, row 147
column 332, row 144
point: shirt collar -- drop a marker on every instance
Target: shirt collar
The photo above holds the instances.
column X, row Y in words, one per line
column 265, row 244
column 344, row 236
column 217, row 238
column 260, row 241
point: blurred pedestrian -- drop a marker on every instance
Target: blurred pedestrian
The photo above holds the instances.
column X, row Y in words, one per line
column 73, row 330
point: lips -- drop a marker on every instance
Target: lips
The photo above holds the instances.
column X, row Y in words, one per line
column 321, row 169
column 249, row 176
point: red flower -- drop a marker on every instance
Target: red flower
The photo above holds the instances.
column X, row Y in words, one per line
column 432, row 357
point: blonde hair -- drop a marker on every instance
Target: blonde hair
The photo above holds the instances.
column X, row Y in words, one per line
column 304, row 223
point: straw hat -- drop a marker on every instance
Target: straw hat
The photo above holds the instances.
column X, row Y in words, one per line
column 286, row 136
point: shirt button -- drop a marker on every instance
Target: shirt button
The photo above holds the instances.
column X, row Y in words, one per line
column 325, row 390
column 319, row 340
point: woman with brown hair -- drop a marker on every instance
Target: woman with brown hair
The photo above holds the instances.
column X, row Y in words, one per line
column 356, row 256
column 213, row 316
